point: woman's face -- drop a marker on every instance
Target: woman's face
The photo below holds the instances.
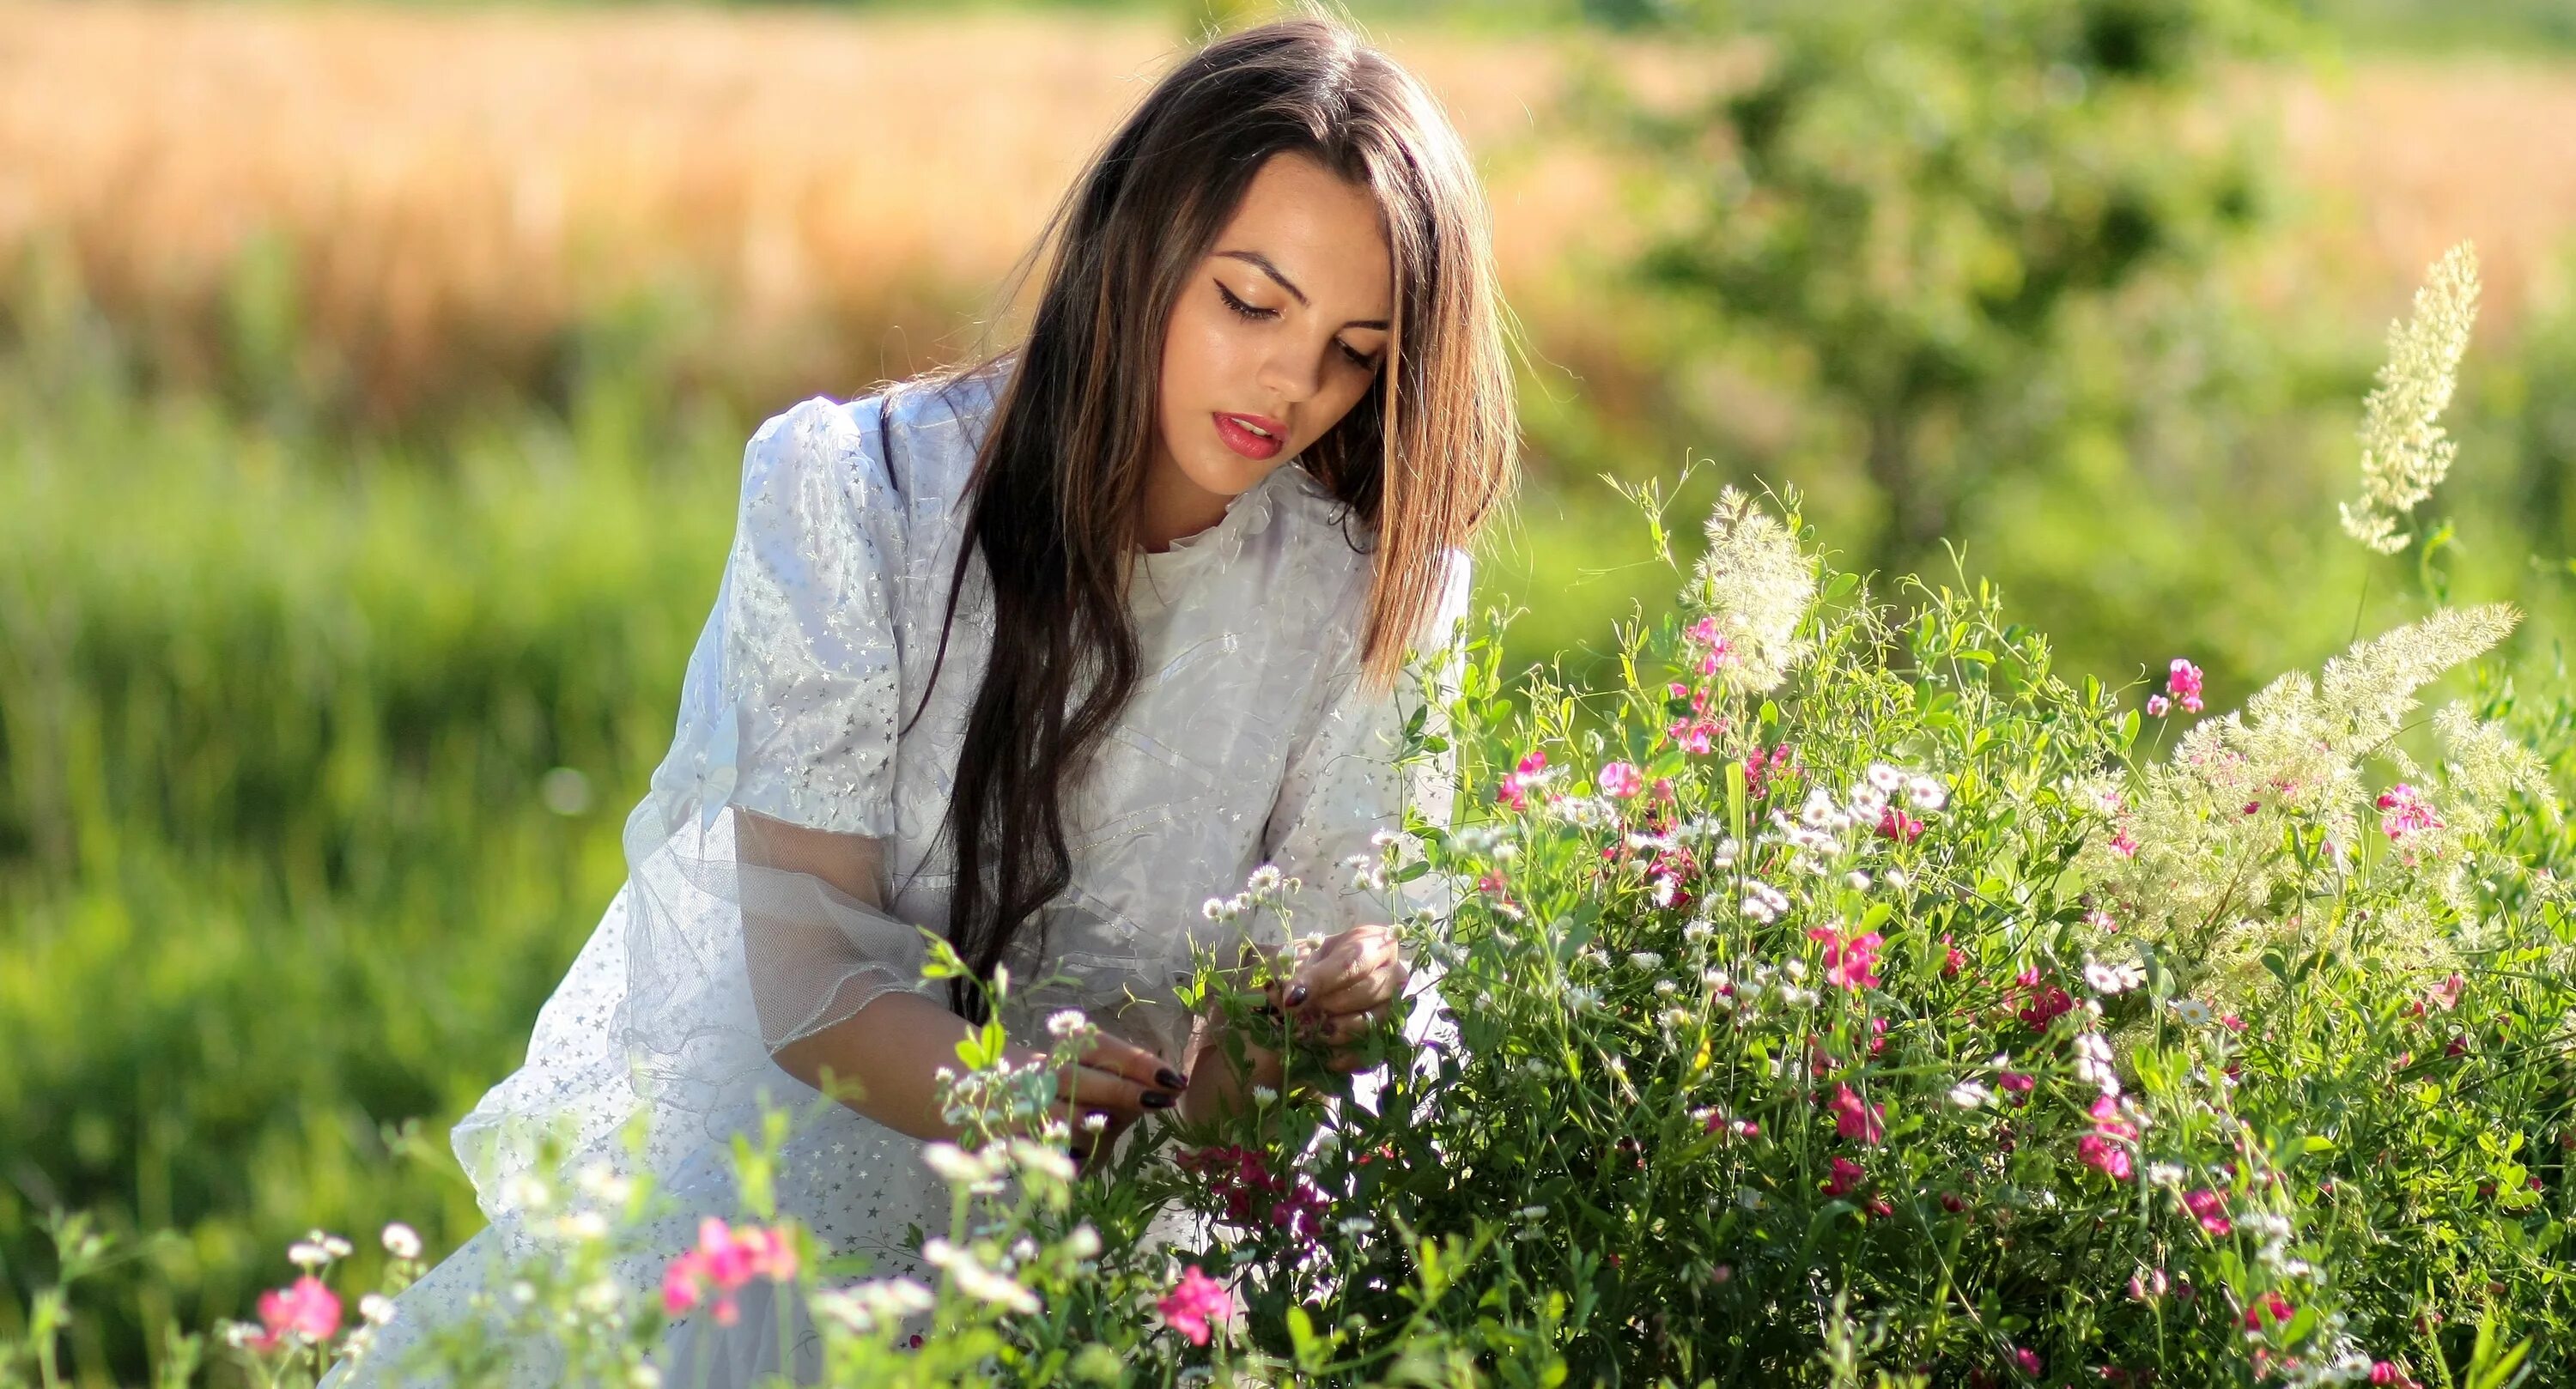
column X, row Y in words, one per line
column 1279, row 331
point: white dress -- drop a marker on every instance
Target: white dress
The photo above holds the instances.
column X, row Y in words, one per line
column 1250, row 739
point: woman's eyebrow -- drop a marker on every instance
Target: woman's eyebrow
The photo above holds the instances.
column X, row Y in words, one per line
column 1257, row 259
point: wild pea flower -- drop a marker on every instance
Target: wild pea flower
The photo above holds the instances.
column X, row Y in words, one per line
column 2404, row 811
column 1193, row 1303
column 1753, row 587
column 2158, row 706
column 1620, row 779
column 724, row 1260
column 304, row 1312
column 1864, row 1123
column 2404, row 454
column 1531, row 771
column 1850, row 961
column 1897, row 825
column 2210, row 1209
column 2044, row 1005
column 2182, row 681
column 2106, row 1147
column 2271, row 1307
column 1846, row 1175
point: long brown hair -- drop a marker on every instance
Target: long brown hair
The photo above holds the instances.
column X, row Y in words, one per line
column 1054, row 504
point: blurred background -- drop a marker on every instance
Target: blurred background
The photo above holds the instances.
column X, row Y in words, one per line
column 374, row 380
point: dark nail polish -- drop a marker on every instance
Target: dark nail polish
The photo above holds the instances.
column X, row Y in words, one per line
column 1171, row 1079
column 1296, row 995
column 1155, row 1099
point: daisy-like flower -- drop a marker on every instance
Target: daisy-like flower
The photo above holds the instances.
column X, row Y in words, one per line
column 2192, row 1012
column 1763, row 902
column 2110, row 980
column 401, row 1241
column 1884, row 778
column 1970, row 1094
column 1926, row 793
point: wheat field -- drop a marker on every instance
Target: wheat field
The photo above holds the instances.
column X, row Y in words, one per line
column 456, row 187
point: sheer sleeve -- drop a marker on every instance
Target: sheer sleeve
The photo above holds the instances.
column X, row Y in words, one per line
column 719, row 950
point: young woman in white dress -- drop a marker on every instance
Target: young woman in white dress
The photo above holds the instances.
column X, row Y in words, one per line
column 1041, row 654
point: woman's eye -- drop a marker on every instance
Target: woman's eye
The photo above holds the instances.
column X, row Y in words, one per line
column 1358, row 359
column 1241, row 307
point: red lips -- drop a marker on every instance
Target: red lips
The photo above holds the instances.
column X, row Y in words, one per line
column 1230, row 427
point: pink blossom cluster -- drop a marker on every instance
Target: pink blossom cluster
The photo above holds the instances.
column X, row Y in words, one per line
column 1844, row 1177
column 2183, row 683
column 1242, row 1179
column 1856, row 1120
column 724, row 1260
column 1514, row 791
column 2210, row 1209
column 1715, row 652
column 1620, row 779
column 1761, row 771
column 306, row 1309
column 2042, row 1006
column 2106, row 1148
column 1698, row 734
column 2404, row 811
column 1194, row 1302
column 1895, row 824
column 1850, row 961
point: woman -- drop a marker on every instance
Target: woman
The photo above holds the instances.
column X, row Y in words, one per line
column 1041, row 654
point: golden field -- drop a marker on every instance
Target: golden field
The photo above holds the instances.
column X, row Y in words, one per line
column 455, row 188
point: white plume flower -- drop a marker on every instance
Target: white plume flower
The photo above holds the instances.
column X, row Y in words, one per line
column 2404, row 453
column 1755, row 586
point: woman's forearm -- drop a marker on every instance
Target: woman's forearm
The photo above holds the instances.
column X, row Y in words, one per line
column 883, row 1061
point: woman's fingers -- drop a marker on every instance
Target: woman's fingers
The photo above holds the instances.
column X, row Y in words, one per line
column 1358, row 969
column 1120, row 1057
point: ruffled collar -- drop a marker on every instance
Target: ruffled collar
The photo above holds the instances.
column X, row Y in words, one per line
column 1160, row 577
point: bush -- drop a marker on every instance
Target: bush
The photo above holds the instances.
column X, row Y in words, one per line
column 1841, row 997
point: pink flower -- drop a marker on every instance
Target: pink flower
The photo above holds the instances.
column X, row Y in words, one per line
column 2107, row 1119
column 1621, row 779
column 2269, row 1305
column 1847, row 1174
column 1693, row 736
column 2158, row 706
column 1194, row 1302
column 2017, row 1082
column 2099, row 1151
column 1952, row 958
column 2404, row 811
column 2044, row 1007
column 2210, row 1209
column 1514, row 791
column 2446, row 995
column 2183, row 683
column 722, row 1262
column 2125, row 844
column 2028, row 1362
column 1852, row 961
column 305, row 1309
column 1899, row 826
column 1866, row 1123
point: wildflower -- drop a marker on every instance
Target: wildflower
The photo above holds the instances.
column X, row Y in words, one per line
column 1846, row 1175
column 2271, row 1306
column 2182, row 681
column 1620, row 779
column 1754, row 588
column 2192, row 1012
column 2210, row 1209
column 305, row 1311
column 1850, row 961
column 1953, row 959
column 1194, row 1302
column 402, row 1241
column 723, row 1261
column 878, row 1303
column 2124, row 843
column 2447, row 994
column 2404, row 811
column 2404, row 454
column 1065, row 1023
column 2093, row 1063
column 2164, row 1174
column 2028, row 1362
column 1926, row 794
column 2017, row 1083
column 1884, row 778
column 2043, row 1007
column 1763, row 902
column 1899, row 826
column 1969, row 1094
column 2158, row 706
column 2110, row 980
column 1531, row 771
column 1865, row 1123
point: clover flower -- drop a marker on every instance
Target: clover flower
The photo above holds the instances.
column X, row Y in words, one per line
column 2404, row 453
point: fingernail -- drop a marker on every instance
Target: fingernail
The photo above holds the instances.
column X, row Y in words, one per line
column 1171, row 1079
column 1296, row 995
column 1155, row 1099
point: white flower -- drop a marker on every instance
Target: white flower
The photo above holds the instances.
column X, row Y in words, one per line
column 1043, row 1158
column 402, row 1241
column 2164, row 1174
column 1094, row 1122
column 2108, row 980
column 1926, row 793
column 523, row 1292
column 1969, row 1094
column 1763, row 902
column 2192, row 1012
column 1265, row 879
column 1884, row 778
column 376, row 1309
column 2403, row 452
column 583, row 1226
column 1646, row 960
column 1531, row 1212
column 306, row 1255
column 1065, row 1023
column 1216, row 909
column 525, row 1191
column 1856, row 880
column 869, row 1306
column 2093, row 1063
column 600, row 1296
column 1867, row 801
column 1263, row 1094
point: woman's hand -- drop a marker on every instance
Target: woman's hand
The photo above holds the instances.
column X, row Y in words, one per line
column 1342, row 988
column 1117, row 1080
